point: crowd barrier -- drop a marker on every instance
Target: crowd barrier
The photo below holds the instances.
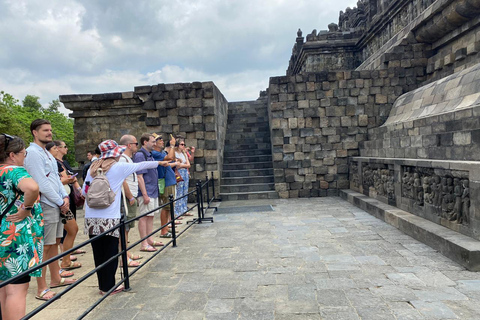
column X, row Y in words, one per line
column 203, row 203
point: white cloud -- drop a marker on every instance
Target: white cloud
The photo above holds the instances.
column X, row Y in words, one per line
column 89, row 46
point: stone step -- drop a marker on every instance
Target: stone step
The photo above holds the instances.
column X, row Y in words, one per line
column 245, row 126
column 247, row 135
column 244, row 129
column 245, row 120
column 242, row 114
column 247, row 187
column 242, row 153
column 248, row 180
column 247, row 166
column 249, row 195
column 247, row 173
column 454, row 245
column 247, row 159
column 253, row 146
column 230, row 141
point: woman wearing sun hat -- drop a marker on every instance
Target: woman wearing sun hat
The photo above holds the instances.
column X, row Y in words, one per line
column 99, row 220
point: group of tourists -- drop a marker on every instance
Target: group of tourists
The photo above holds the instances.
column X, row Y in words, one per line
column 38, row 196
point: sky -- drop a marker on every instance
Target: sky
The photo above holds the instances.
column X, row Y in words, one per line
column 57, row 47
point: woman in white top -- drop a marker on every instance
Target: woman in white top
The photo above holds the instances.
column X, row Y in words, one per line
column 182, row 167
column 99, row 220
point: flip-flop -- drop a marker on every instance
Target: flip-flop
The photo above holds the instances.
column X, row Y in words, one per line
column 65, row 274
column 73, row 265
column 118, row 290
column 131, row 263
column 178, row 222
column 63, row 282
column 135, row 257
column 148, row 248
column 188, row 214
column 166, row 235
column 79, row 251
column 41, row 296
column 157, row 244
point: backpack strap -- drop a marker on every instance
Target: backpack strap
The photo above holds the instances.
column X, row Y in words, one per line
column 144, row 154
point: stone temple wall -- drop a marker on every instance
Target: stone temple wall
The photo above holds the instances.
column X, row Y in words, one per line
column 318, row 120
column 197, row 111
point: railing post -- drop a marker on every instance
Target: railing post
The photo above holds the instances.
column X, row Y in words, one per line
column 213, row 186
column 208, row 194
column 198, row 203
column 201, row 200
column 172, row 217
column 123, row 246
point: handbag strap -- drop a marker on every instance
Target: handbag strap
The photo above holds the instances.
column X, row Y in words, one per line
column 9, row 206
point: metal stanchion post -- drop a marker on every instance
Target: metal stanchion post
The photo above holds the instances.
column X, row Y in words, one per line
column 172, row 217
column 208, row 194
column 123, row 246
column 198, row 203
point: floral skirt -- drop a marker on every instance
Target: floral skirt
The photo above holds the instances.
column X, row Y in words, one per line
column 21, row 245
column 182, row 189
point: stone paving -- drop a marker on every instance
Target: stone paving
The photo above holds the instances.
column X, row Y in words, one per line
column 318, row 258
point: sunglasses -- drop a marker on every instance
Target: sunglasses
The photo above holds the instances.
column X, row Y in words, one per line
column 63, row 147
column 181, row 144
column 135, row 143
column 8, row 138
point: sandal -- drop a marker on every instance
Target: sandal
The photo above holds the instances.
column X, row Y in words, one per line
column 131, row 263
column 64, row 282
column 79, row 251
column 178, row 222
column 157, row 244
column 73, row 265
column 65, row 274
column 188, row 214
column 135, row 257
column 166, row 235
column 148, row 248
column 119, row 289
column 42, row 295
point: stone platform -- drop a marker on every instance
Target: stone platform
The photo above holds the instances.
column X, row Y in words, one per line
column 458, row 247
column 317, row 258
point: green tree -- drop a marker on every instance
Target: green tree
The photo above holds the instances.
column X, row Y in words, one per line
column 16, row 120
column 31, row 103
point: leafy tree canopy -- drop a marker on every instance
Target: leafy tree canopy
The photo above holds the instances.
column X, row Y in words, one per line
column 16, row 119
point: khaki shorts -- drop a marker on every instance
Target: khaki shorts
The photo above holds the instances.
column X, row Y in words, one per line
column 164, row 197
column 132, row 213
column 147, row 207
column 53, row 229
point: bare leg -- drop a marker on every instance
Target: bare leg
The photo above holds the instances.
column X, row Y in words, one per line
column 72, row 229
column 42, row 281
column 54, row 267
column 164, row 218
column 142, row 229
column 149, row 229
column 13, row 298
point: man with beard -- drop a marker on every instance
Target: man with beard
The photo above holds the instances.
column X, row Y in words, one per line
column 42, row 166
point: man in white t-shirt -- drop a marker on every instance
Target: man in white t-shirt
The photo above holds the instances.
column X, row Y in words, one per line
column 130, row 190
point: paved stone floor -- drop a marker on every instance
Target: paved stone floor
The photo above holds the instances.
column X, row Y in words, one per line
column 319, row 258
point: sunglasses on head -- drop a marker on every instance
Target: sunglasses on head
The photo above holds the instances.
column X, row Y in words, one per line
column 8, row 138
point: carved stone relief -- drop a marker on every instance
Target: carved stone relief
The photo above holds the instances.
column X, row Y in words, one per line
column 445, row 193
column 378, row 178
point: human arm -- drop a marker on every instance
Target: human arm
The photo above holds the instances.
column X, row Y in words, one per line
column 185, row 165
column 30, row 194
column 37, row 168
column 171, row 152
column 128, row 193
column 143, row 189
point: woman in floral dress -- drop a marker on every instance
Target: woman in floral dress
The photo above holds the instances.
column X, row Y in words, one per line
column 182, row 187
column 21, row 230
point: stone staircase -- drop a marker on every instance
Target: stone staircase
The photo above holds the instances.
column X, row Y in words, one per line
column 247, row 163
